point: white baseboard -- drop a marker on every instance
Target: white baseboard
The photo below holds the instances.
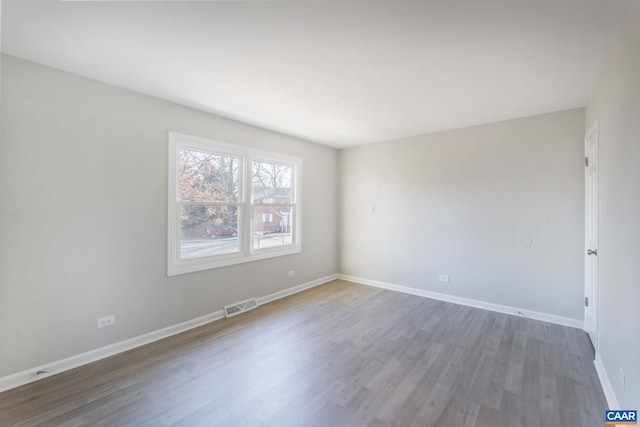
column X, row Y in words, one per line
column 294, row 290
column 29, row 375
column 612, row 400
column 551, row 318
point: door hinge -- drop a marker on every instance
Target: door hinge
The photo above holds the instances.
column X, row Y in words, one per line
column 586, row 161
column 586, row 301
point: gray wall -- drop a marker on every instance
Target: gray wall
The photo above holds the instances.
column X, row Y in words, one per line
column 616, row 106
column 457, row 202
column 83, row 218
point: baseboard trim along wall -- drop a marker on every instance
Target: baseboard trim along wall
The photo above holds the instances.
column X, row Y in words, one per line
column 609, row 394
column 536, row 315
column 30, row 375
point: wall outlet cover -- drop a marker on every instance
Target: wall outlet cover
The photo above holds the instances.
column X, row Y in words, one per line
column 106, row 321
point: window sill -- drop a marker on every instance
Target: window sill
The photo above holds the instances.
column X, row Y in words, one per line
column 192, row 266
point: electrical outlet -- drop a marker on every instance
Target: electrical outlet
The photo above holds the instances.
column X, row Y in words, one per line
column 292, row 273
column 443, row 278
column 106, row 321
column 622, row 379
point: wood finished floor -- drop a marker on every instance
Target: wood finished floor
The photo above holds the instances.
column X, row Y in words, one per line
column 340, row 354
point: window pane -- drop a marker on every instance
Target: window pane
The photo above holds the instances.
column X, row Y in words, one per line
column 208, row 230
column 272, row 226
column 207, row 177
column 271, row 182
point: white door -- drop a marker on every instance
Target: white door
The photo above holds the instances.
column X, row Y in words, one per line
column 591, row 235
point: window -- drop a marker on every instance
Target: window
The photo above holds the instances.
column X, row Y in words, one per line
column 271, row 199
column 229, row 204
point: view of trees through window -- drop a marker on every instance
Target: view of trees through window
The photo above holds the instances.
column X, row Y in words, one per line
column 211, row 203
column 271, row 199
column 209, row 186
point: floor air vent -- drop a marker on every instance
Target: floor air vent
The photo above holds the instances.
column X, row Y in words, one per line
column 240, row 307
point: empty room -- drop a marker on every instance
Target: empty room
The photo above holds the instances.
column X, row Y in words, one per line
column 320, row 213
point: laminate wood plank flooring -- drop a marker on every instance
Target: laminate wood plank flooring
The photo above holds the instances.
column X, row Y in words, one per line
column 340, row 354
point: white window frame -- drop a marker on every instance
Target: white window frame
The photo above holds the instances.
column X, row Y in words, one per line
column 246, row 252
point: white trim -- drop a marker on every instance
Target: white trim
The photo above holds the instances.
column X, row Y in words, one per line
column 77, row 360
column 294, row 290
column 536, row 315
column 610, row 395
column 29, row 375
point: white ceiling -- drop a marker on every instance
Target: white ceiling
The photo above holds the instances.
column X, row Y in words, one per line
column 341, row 73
